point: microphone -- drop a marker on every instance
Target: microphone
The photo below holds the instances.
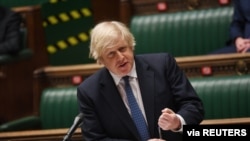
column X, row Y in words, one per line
column 76, row 124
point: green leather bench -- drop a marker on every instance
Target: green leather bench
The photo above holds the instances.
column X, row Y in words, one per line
column 223, row 97
column 185, row 33
column 58, row 109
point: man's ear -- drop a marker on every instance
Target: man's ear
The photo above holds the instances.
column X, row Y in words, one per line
column 99, row 61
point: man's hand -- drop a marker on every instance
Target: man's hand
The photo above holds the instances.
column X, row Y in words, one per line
column 169, row 120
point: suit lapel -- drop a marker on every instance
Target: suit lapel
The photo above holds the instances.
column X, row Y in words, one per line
column 146, row 83
column 113, row 98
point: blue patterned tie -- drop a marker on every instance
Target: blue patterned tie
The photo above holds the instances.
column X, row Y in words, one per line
column 136, row 113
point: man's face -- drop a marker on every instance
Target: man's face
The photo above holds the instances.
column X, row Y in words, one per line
column 118, row 59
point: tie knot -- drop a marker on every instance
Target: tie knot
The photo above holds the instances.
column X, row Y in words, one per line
column 126, row 79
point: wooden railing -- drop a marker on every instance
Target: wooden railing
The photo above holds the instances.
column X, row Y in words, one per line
column 224, row 64
column 40, row 135
column 193, row 66
column 58, row 134
column 227, row 121
column 129, row 8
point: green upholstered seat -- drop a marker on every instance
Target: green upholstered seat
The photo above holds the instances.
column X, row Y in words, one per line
column 184, row 33
column 224, row 97
column 58, row 107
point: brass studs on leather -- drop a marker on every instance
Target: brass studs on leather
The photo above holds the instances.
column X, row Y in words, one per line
column 241, row 67
column 193, row 4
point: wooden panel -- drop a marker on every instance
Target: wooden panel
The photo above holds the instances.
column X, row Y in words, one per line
column 224, row 64
column 16, row 78
column 58, row 134
column 227, row 121
column 63, row 76
column 104, row 10
column 40, row 135
column 150, row 6
column 59, row 76
column 36, row 36
column 128, row 8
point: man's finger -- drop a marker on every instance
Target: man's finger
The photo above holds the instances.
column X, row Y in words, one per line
column 167, row 110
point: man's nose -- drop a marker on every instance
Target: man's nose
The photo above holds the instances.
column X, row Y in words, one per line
column 119, row 55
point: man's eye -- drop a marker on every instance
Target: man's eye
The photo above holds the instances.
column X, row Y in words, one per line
column 123, row 49
column 111, row 54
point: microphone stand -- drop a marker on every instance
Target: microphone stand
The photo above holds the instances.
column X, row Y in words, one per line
column 66, row 138
column 76, row 124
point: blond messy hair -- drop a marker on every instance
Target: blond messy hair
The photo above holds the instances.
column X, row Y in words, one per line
column 106, row 34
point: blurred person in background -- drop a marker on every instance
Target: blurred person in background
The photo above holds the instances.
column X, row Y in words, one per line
column 239, row 41
column 10, row 23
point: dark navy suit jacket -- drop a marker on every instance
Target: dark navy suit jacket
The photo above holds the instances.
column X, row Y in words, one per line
column 240, row 26
column 162, row 85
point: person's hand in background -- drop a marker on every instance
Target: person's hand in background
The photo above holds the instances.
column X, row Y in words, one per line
column 242, row 45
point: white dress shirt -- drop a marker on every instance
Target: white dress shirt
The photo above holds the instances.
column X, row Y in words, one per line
column 133, row 80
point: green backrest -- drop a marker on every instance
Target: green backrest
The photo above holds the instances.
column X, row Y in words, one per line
column 184, row 33
column 224, row 96
column 58, row 107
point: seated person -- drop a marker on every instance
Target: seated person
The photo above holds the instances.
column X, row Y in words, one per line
column 239, row 29
column 10, row 38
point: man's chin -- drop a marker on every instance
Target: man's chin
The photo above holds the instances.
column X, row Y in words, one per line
column 123, row 72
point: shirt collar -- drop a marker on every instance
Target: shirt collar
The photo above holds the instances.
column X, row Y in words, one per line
column 132, row 73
